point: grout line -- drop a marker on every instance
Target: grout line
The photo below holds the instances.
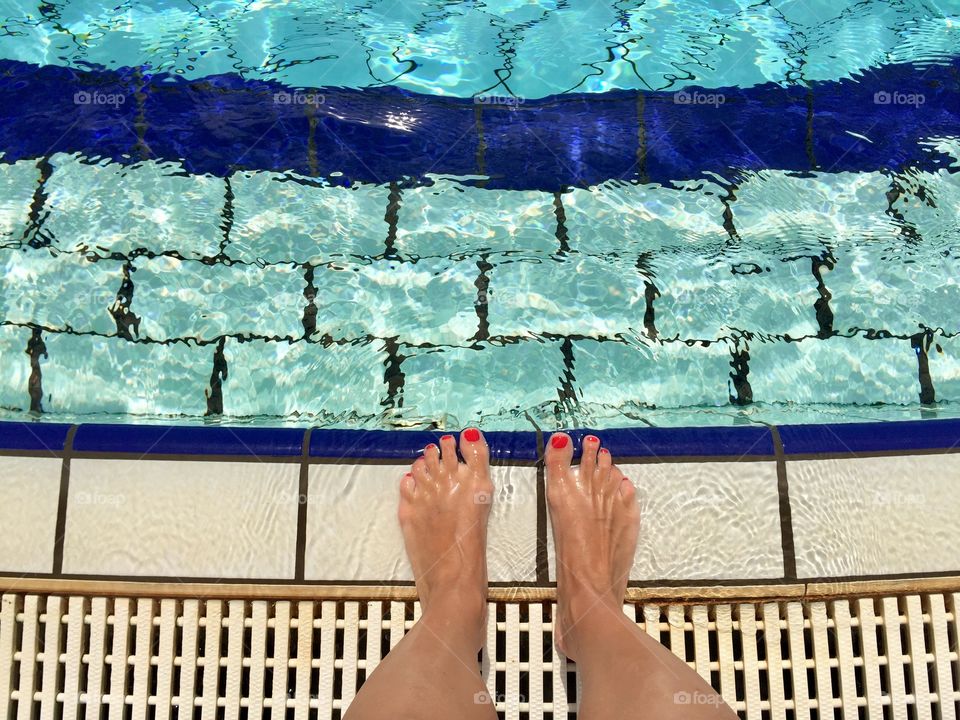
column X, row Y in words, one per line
column 642, row 138
column 36, row 349
column 32, row 235
column 61, row 527
column 542, row 559
column 740, row 377
column 392, row 218
column 786, row 514
column 808, row 139
column 482, row 308
column 214, row 391
column 303, row 498
column 561, row 214
column 481, row 141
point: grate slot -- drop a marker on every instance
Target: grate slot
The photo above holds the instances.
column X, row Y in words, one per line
column 154, row 659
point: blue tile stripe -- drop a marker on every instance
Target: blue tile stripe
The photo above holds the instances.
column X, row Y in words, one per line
column 723, row 442
column 816, row 127
column 870, row 437
column 746, row 441
column 49, row 437
column 750, row 441
column 182, row 440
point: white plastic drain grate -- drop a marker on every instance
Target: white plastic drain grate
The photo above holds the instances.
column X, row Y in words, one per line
column 118, row 658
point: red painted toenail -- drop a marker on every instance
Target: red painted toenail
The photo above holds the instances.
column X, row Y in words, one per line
column 559, row 441
column 446, row 437
column 471, row 435
column 431, row 446
column 592, row 438
column 604, row 451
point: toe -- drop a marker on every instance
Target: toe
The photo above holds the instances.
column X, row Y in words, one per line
column 473, row 447
column 588, row 458
column 431, row 455
column 628, row 493
column 408, row 487
column 448, row 453
column 559, row 454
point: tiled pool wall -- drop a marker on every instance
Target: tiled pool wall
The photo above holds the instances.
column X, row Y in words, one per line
column 739, row 505
column 263, row 295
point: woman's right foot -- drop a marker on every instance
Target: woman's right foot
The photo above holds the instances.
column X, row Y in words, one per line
column 593, row 509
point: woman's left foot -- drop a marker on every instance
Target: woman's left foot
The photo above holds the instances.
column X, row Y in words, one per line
column 444, row 506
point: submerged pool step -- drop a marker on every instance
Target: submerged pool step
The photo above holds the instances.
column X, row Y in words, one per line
column 892, row 656
column 775, row 289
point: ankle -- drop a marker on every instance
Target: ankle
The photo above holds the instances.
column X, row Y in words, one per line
column 586, row 616
column 457, row 614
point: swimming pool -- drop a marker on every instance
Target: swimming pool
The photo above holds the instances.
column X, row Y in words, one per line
column 585, row 216
column 257, row 254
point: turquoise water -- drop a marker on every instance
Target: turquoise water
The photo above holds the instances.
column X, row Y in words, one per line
column 514, row 47
column 143, row 291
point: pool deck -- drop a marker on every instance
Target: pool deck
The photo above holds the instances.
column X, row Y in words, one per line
column 784, row 511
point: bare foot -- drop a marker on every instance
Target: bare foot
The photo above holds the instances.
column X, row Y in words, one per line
column 596, row 520
column 444, row 506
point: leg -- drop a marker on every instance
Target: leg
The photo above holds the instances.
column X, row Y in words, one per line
column 433, row 671
column 626, row 673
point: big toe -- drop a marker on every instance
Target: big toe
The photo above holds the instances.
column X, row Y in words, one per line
column 475, row 452
column 559, row 453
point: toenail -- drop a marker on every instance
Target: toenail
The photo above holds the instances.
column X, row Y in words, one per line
column 431, row 446
column 471, row 435
column 559, row 441
column 446, row 437
column 592, row 438
column 604, row 451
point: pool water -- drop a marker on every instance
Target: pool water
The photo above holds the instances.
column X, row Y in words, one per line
column 503, row 213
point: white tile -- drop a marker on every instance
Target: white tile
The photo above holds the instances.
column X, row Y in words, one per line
column 103, row 207
column 576, row 294
column 280, row 378
column 15, row 378
column 59, row 290
column 177, row 299
column 820, row 371
column 874, row 516
column 278, row 218
column 353, row 533
column 448, row 218
column 430, row 301
column 18, row 181
column 467, row 386
column 86, row 374
column 646, row 373
column 182, row 519
column 29, row 493
column 705, row 521
column 650, row 218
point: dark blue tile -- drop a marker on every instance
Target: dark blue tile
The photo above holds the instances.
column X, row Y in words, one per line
column 182, row 440
column 745, row 441
column 33, row 436
column 870, row 437
column 407, row 445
